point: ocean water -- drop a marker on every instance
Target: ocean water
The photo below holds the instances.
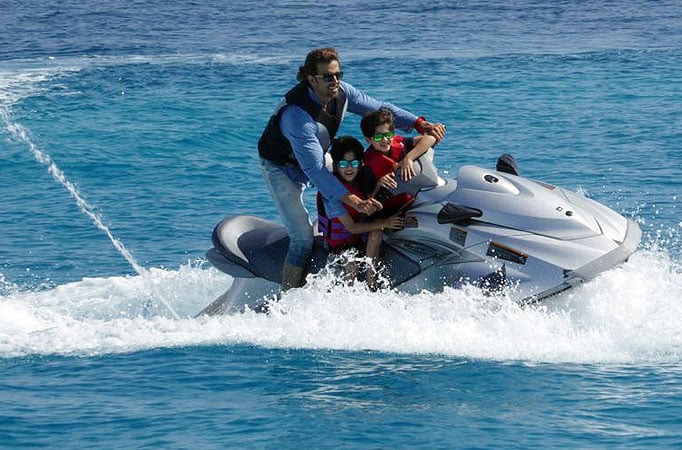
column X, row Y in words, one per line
column 128, row 129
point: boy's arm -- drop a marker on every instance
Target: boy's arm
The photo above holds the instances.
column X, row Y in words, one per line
column 393, row 222
column 421, row 145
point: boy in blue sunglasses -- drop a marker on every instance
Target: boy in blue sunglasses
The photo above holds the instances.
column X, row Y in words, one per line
column 350, row 231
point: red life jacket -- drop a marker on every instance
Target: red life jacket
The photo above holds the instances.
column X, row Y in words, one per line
column 380, row 165
column 335, row 234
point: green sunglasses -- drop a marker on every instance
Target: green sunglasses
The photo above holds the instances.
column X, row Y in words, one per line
column 380, row 136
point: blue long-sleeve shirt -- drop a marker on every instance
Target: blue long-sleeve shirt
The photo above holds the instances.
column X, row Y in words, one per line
column 301, row 130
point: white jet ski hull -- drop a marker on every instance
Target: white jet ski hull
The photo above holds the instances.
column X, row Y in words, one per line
column 494, row 230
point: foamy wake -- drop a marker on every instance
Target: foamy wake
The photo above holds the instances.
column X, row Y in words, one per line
column 631, row 314
column 20, row 79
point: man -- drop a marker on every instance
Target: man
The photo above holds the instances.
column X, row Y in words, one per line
column 293, row 145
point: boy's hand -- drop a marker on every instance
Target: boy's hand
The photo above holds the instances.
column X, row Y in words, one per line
column 406, row 169
column 368, row 206
column 388, row 181
column 396, row 222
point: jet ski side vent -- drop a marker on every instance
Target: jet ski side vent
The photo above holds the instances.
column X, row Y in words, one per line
column 452, row 213
column 458, row 236
column 500, row 251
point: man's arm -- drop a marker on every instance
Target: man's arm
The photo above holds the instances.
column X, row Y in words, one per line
column 301, row 130
column 361, row 103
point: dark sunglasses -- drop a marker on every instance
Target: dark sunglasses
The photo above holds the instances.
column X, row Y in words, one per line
column 380, row 136
column 329, row 77
column 344, row 164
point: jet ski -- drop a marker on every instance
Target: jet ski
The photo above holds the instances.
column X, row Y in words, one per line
column 492, row 229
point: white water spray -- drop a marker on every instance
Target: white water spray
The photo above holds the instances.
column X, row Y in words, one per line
column 20, row 133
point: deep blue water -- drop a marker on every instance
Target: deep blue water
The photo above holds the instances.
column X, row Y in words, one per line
column 128, row 130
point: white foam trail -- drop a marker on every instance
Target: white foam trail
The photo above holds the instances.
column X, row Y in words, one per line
column 19, row 132
column 15, row 85
column 631, row 314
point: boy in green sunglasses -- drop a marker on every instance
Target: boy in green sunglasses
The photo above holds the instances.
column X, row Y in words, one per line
column 352, row 230
column 389, row 154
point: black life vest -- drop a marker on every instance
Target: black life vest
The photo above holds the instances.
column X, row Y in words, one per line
column 275, row 147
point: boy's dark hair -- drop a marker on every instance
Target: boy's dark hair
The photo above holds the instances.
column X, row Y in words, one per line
column 371, row 121
column 344, row 144
column 319, row 55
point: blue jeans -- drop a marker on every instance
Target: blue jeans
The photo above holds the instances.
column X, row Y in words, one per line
column 286, row 184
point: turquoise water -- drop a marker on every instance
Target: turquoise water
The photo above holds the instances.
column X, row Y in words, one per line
column 127, row 131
